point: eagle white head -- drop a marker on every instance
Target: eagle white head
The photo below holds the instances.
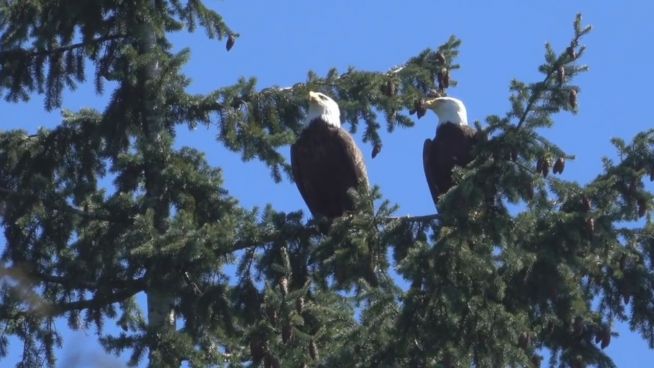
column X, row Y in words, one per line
column 448, row 109
column 323, row 107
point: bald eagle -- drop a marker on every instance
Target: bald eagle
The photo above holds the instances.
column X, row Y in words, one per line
column 450, row 147
column 326, row 161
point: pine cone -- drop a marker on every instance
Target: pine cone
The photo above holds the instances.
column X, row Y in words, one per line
column 389, row 88
column 550, row 327
column 433, row 93
column 622, row 263
column 313, row 350
column 559, row 165
column 440, row 58
column 514, row 155
column 642, row 207
column 605, row 337
column 443, row 77
column 590, row 225
column 544, row 165
column 237, row 102
column 578, row 326
column 535, row 360
column 299, row 304
column 572, row 98
column 257, row 350
column 586, row 204
column 376, row 149
column 560, row 75
column 287, row 333
column 270, row 361
column 571, row 52
column 632, row 188
column 271, row 313
column 529, row 191
column 283, row 285
column 231, row 40
column 446, row 78
column 524, row 340
column 419, row 108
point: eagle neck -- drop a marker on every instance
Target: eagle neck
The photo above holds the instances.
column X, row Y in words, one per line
column 329, row 117
column 449, row 122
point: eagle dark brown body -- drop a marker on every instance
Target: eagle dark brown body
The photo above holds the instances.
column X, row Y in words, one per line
column 451, row 147
column 326, row 164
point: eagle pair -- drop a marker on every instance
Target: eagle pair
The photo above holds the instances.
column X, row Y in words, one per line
column 327, row 163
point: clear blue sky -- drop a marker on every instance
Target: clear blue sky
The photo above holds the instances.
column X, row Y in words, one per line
column 281, row 40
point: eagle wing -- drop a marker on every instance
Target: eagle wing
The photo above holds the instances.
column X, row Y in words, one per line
column 298, row 175
column 326, row 163
column 352, row 156
column 451, row 147
column 427, row 165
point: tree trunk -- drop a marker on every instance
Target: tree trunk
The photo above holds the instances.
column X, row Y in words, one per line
column 161, row 314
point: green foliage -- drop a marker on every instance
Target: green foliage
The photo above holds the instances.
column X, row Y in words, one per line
column 489, row 287
column 44, row 43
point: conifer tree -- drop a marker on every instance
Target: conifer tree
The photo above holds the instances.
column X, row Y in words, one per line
column 489, row 287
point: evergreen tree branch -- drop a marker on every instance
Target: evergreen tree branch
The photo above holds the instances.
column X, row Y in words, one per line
column 25, row 275
column 269, row 237
column 59, row 50
column 102, row 300
column 555, row 67
column 257, row 123
column 409, row 218
column 538, row 90
column 265, row 238
column 61, row 206
column 45, row 309
column 487, row 289
column 39, row 306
